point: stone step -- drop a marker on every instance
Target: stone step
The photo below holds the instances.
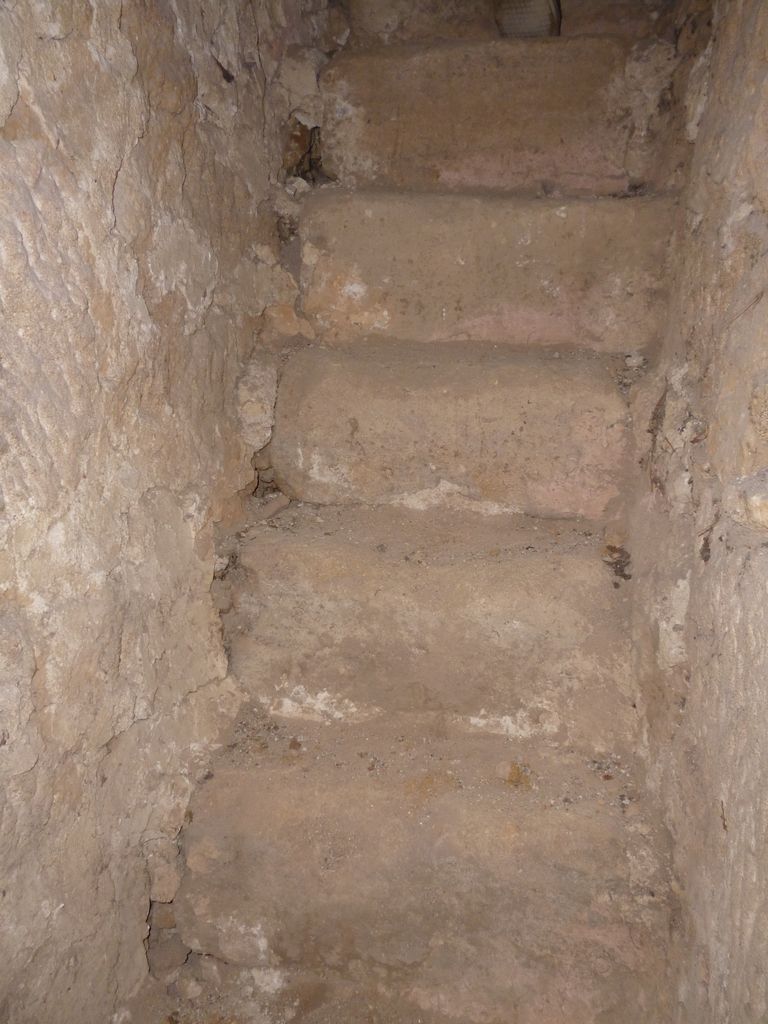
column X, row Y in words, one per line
column 436, row 868
column 373, row 23
column 628, row 18
column 487, row 429
column 587, row 273
column 505, row 625
column 505, row 114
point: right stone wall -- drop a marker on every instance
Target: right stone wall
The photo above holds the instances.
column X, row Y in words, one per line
column 700, row 533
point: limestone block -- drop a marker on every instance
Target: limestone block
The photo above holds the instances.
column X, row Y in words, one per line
column 513, row 114
column 299, row 77
column 373, row 23
column 537, row 272
column 392, row 424
column 345, row 614
column 746, row 500
column 256, row 395
column 629, row 18
column 166, row 955
column 399, row 848
column 164, row 869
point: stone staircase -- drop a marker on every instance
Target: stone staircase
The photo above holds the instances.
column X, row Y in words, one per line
column 432, row 806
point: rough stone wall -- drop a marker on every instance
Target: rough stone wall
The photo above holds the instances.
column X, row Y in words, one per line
column 700, row 535
column 138, row 146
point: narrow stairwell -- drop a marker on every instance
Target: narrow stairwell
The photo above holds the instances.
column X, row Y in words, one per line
column 432, row 807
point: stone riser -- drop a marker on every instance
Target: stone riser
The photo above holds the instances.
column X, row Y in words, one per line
column 469, row 883
column 400, row 425
column 504, row 115
column 543, row 273
column 351, row 614
column 375, row 23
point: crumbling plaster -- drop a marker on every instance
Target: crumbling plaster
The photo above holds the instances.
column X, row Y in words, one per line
column 138, row 148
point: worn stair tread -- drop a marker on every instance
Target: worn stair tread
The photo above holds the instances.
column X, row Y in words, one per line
column 543, row 272
column 506, row 624
column 440, row 863
column 502, row 114
column 494, row 430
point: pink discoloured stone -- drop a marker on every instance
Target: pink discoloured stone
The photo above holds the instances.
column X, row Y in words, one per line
column 511, row 114
column 389, row 423
column 582, row 273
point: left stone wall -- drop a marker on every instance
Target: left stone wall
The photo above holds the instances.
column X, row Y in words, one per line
column 138, row 147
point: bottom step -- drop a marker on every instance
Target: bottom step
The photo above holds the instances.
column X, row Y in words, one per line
column 428, row 871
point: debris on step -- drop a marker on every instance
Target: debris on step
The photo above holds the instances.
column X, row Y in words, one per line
column 264, row 507
column 619, row 559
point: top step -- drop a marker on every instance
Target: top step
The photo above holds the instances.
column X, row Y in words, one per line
column 374, row 23
column 507, row 115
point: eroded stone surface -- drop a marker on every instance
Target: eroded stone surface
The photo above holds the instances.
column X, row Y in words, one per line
column 136, row 143
column 469, row 875
column 513, row 114
column 374, row 23
column 631, row 18
column 513, row 627
column 699, row 529
column 256, row 397
column 586, row 274
column 403, row 21
column 398, row 424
